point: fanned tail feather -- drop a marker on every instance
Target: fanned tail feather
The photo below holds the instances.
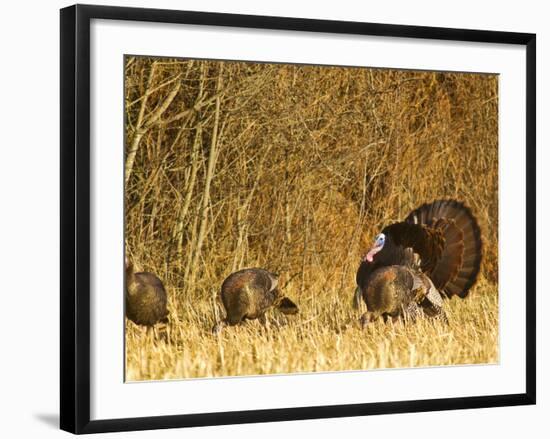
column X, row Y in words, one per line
column 458, row 267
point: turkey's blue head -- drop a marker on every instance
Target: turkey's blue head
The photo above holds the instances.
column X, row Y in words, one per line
column 378, row 245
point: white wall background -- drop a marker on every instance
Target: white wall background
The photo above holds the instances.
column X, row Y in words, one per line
column 29, row 216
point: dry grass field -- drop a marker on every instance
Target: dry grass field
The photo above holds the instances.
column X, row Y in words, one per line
column 326, row 336
column 296, row 169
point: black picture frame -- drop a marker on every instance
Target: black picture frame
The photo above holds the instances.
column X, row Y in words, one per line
column 75, row 217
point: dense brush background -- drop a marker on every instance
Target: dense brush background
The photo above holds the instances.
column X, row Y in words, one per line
column 295, row 168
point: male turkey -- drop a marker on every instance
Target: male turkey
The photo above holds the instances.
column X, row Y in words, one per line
column 412, row 265
column 146, row 300
column 248, row 294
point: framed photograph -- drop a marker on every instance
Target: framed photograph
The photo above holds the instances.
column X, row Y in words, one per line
column 268, row 219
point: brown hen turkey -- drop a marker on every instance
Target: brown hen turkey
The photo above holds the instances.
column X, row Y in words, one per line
column 434, row 253
column 247, row 294
column 146, row 299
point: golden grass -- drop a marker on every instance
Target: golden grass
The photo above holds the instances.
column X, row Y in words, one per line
column 325, row 336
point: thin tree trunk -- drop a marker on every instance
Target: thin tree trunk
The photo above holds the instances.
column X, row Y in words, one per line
column 142, row 126
column 208, row 180
column 189, row 190
column 190, row 183
column 243, row 209
column 306, row 244
column 139, row 132
column 190, row 258
column 240, row 225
